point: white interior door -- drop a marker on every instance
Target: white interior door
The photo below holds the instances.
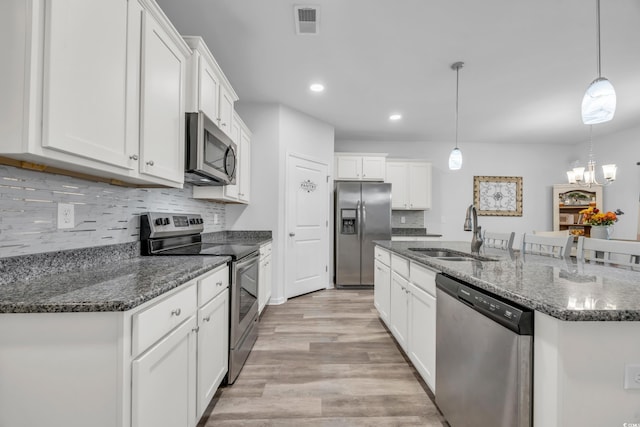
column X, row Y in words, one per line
column 307, row 227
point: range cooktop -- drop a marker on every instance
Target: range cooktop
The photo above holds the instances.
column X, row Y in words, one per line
column 235, row 251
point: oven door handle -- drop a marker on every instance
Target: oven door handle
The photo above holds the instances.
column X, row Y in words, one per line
column 247, row 260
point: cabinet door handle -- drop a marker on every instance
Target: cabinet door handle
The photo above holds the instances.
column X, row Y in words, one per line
column 224, row 124
column 219, row 283
column 292, row 234
column 196, row 329
column 133, row 157
column 150, row 162
column 206, row 319
column 176, row 312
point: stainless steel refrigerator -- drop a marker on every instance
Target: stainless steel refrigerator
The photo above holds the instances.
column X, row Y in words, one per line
column 362, row 215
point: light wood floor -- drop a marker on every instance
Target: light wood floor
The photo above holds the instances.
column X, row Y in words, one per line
column 324, row 359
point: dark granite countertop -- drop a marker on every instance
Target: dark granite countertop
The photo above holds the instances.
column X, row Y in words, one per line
column 104, row 278
column 564, row 289
column 116, row 286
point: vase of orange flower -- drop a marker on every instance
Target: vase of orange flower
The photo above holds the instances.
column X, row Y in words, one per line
column 601, row 223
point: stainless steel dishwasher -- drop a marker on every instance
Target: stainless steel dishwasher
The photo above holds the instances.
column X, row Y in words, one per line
column 484, row 357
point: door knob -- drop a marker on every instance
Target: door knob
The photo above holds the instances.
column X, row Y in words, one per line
column 133, row 157
column 292, row 234
column 150, row 162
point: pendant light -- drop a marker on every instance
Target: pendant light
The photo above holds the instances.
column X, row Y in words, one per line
column 455, row 158
column 599, row 102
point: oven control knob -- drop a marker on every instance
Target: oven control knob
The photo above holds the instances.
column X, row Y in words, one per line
column 192, row 221
column 166, row 221
column 158, row 221
column 200, row 221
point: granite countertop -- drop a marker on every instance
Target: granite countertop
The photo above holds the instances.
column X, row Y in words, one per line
column 104, row 278
column 564, row 289
column 413, row 232
column 116, row 286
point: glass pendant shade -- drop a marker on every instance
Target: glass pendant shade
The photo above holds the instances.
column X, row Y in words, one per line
column 455, row 159
column 609, row 172
column 599, row 102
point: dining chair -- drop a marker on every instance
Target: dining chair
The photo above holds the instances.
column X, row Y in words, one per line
column 621, row 253
column 498, row 240
column 560, row 233
column 555, row 246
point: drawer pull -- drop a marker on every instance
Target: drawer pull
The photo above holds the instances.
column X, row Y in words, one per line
column 176, row 312
column 206, row 319
column 219, row 283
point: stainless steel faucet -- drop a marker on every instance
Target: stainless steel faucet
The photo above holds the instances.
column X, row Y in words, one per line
column 476, row 240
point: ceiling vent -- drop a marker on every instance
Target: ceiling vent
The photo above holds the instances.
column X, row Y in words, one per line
column 307, row 19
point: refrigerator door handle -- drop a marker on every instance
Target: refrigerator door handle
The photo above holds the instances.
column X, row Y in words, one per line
column 358, row 220
column 364, row 217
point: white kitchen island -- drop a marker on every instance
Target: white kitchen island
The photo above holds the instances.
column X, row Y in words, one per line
column 586, row 331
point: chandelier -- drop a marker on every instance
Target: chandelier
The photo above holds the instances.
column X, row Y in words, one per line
column 587, row 176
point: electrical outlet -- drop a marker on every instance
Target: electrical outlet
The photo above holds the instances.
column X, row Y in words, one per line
column 66, row 217
column 631, row 377
column 402, row 220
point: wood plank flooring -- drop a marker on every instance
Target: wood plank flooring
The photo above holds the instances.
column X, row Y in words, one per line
column 325, row 359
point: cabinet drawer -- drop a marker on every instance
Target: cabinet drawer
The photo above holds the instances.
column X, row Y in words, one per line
column 400, row 265
column 156, row 321
column 213, row 284
column 265, row 250
column 423, row 278
column 382, row 255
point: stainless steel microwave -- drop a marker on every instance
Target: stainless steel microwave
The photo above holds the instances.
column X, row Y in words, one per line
column 210, row 157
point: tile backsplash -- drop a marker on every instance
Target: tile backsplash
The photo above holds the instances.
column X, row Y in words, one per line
column 413, row 219
column 104, row 214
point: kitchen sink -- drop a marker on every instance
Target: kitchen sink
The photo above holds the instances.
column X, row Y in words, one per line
column 449, row 254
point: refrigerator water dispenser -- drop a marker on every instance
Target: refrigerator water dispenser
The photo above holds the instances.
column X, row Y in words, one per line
column 348, row 217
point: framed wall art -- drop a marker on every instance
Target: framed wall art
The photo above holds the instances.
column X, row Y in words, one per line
column 498, row 195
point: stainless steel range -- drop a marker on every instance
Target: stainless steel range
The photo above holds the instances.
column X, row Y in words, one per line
column 179, row 235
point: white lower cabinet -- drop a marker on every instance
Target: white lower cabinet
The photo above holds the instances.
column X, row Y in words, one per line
column 163, row 381
column 213, row 348
column 422, row 334
column 382, row 290
column 405, row 297
column 156, row 365
column 398, row 309
column 264, row 277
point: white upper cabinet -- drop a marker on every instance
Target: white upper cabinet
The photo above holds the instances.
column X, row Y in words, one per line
column 209, row 89
column 410, row 184
column 84, row 94
column 87, row 95
column 162, row 104
column 244, row 171
column 360, row 167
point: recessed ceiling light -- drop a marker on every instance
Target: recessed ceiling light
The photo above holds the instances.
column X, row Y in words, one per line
column 316, row 87
column 395, row 117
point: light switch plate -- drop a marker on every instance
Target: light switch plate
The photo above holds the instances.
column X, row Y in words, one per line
column 66, row 217
column 632, row 377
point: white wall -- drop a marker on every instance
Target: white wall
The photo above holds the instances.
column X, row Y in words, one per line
column 277, row 131
column 540, row 165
